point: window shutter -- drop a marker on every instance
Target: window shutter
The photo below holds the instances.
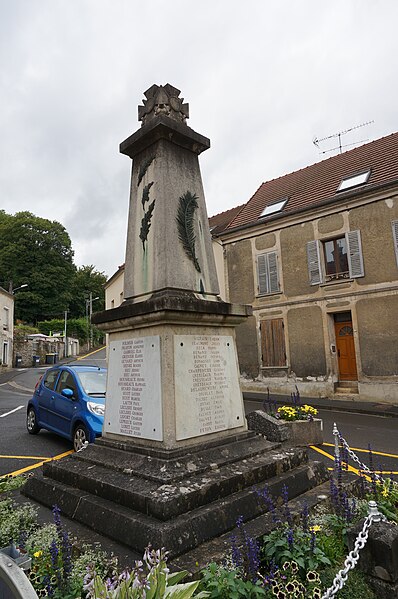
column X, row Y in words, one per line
column 314, row 265
column 273, row 343
column 395, row 237
column 262, row 269
column 273, row 272
column 355, row 260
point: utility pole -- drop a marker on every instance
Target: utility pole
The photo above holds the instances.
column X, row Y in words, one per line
column 65, row 338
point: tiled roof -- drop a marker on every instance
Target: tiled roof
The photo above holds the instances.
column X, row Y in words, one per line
column 219, row 222
column 313, row 184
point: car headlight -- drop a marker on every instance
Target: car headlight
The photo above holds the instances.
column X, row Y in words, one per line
column 98, row 409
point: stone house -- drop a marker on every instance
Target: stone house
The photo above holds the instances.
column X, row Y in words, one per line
column 6, row 328
column 315, row 252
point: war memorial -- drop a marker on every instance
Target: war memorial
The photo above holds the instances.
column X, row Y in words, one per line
column 176, row 465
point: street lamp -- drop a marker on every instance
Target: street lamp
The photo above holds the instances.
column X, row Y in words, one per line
column 89, row 313
column 12, row 291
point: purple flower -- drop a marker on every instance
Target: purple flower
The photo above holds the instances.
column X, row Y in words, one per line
column 290, row 538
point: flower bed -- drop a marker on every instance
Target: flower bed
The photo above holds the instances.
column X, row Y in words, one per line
column 294, row 423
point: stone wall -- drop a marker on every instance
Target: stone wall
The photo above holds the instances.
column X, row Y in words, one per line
column 28, row 348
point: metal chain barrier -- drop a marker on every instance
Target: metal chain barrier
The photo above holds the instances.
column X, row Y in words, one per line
column 352, row 558
column 338, row 437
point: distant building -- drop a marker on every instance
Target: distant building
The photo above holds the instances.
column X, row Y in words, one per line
column 315, row 252
column 6, row 328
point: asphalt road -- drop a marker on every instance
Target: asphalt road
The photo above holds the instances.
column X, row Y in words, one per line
column 20, row 451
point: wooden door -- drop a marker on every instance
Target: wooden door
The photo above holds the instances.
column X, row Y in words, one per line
column 346, row 351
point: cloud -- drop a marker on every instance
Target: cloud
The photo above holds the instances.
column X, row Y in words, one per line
column 262, row 79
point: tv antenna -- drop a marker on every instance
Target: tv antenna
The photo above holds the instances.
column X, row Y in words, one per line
column 339, row 135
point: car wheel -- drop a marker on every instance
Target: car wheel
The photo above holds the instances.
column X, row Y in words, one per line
column 31, row 422
column 80, row 437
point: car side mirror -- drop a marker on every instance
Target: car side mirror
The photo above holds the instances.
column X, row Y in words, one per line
column 67, row 393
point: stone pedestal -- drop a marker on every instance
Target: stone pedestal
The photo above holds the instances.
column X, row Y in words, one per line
column 173, row 371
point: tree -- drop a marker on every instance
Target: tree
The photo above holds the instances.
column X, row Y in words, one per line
column 38, row 252
column 87, row 280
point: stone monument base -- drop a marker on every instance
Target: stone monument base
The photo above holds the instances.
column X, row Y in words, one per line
column 177, row 499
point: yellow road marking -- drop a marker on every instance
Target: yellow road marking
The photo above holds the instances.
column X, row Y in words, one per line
column 327, row 455
column 387, row 455
column 91, row 353
column 24, row 457
column 22, row 470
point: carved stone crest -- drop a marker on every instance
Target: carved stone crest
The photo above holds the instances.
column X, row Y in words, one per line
column 163, row 100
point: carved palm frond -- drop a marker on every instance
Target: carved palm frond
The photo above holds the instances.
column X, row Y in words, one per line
column 185, row 225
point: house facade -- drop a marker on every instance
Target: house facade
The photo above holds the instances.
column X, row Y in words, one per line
column 6, row 328
column 315, row 252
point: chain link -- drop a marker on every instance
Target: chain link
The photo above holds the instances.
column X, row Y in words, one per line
column 354, row 457
column 352, row 558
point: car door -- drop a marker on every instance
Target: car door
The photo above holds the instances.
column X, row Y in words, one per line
column 45, row 395
column 63, row 408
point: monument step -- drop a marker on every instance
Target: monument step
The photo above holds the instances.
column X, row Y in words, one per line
column 163, row 466
column 165, row 501
column 179, row 534
column 217, row 548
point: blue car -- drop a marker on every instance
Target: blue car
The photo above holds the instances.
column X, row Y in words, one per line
column 69, row 401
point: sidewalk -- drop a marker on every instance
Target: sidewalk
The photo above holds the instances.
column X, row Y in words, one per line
column 355, row 406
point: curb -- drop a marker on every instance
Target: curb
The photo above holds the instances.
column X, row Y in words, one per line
column 336, row 405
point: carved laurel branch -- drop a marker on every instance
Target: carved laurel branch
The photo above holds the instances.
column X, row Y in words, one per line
column 146, row 223
column 143, row 169
column 146, row 220
column 185, row 225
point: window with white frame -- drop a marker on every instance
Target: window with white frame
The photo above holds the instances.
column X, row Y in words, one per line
column 5, row 353
column 336, row 258
column 6, row 319
column 267, row 273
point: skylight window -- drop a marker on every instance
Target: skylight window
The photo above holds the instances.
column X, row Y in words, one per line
column 272, row 208
column 354, row 181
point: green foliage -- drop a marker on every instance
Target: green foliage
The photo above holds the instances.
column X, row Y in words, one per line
column 387, row 498
column 15, row 521
column 38, row 252
column 282, row 545
column 225, row 583
column 333, row 547
column 86, row 280
column 149, row 579
column 75, row 327
column 10, row 483
column 355, row 587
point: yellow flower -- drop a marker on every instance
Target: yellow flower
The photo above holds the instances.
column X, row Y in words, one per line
column 38, row 554
column 385, row 492
column 315, row 528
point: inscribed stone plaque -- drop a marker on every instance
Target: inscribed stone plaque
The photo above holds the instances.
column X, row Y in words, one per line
column 208, row 397
column 133, row 397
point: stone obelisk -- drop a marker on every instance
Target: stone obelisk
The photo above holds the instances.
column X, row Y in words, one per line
column 175, row 466
column 173, row 374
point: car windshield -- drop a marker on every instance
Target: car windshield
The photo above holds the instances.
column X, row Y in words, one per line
column 93, row 382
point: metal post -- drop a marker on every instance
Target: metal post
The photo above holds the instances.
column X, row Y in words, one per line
column 336, row 443
column 87, row 321
column 91, row 326
column 65, row 339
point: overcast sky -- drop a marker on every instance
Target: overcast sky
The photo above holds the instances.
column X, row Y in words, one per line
column 262, row 78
